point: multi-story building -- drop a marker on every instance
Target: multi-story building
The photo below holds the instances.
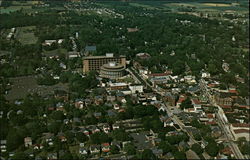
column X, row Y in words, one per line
column 94, row 63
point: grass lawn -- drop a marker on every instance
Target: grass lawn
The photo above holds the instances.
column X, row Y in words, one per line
column 13, row 9
column 59, row 50
column 25, row 35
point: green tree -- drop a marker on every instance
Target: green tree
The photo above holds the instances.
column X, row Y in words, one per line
column 114, row 149
column 81, row 137
column 212, row 149
column 180, row 155
column 148, row 154
column 197, row 148
column 130, row 149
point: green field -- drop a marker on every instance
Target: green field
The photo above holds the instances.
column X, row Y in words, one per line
column 199, row 7
column 13, row 9
column 25, row 35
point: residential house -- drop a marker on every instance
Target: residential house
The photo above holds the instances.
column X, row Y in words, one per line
column 52, row 156
column 115, row 126
column 27, row 141
column 83, row 150
column 3, row 145
column 94, row 149
column 157, row 152
column 79, row 103
column 106, row 128
column 105, row 147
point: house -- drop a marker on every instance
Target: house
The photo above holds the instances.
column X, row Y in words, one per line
column 157, row 152
column 157, row 78
column 94, row 149
column 83, row 150
column 97, row 114
column 106, row 128
column 93, row 129
column 197, row 105
column 89, row 49
column 105, row 147
column 180, row 100
column 111, row 98
column 73, row 54
column 116, row 106
column 27, row 141
column 111, row 113
column 189, row 79
column 84, row 131
column 132, row 29
column 79, row 103
column 49, row 42
column 98, row 100
column 37, row 146
column 143, row 55
column 52, row 156
column 136, row 88
column 62, row 138
column 48, row 138
column 115, row 126
column 3, row 146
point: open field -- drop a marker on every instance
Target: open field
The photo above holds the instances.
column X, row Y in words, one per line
column 217, row 4
column 25, row 35
column 27, row 85
column 13, row 9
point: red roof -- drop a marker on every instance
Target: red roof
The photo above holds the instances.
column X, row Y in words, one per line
column 227, row 151
column 232, row 91
column 211, row 85
column 225, row 106
column 209, row 115
column 244, row 106
column 105, row 144
column 237, row 131
column 181, row 99
column 240, row 125
column 196, row 101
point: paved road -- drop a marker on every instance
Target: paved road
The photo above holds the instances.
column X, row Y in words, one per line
column 221, row 122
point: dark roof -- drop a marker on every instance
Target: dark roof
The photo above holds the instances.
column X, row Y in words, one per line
column 90, row 48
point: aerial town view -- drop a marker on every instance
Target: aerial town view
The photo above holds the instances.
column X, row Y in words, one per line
column 124, row 79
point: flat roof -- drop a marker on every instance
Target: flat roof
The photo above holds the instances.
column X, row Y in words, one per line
column 102, row 57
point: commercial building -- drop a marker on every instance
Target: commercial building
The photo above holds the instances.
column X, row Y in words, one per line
column 94, row 63
column 112, row 70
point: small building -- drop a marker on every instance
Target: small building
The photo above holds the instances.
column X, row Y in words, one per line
column 27, row 141
column 94, row 149
column 105, row 147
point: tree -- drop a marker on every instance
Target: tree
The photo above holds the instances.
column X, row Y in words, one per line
column 14, row 139
column 81, row 137
column 187, row 103
column 212, row 149
column 130, row 149
column 197, row 148
column 54, row 127
column 99, row 137
column 165, row 146
column 120, row 135
column 20, row 156
column 180, row 155
column 148, row 154
column 114, row 149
